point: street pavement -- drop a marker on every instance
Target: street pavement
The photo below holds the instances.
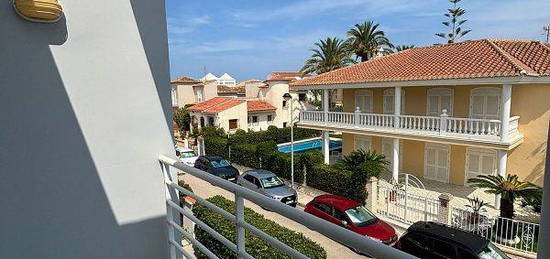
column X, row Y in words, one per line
column 333, row 249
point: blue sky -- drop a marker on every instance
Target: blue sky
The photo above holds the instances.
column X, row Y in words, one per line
column 249, row 39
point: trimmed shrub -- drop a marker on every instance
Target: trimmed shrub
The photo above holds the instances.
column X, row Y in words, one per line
column 216, row 146
column 254, row 246
column 264, row 151
column 245, row 155
column 331, row 179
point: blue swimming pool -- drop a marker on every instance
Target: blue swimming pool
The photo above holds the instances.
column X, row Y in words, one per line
column 310, row 145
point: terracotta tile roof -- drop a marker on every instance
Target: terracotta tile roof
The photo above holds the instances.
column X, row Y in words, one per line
column 224, row 106
column 471, row 59
column 258, row 106
column 222, row 89
column 215, row 105
column 184, row 80
column 249, row 81
column 285, row 76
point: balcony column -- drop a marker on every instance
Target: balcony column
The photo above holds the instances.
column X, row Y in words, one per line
column 397, row 105
column 325, row 105
column 506, row 104
column 502, row 160
column 396, row 112
column 395, row 160
column 326, row 147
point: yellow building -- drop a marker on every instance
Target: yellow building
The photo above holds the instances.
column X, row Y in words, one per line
column 466, row 109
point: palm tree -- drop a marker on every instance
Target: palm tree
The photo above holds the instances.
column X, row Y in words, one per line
column 400, row 48
column 330, row 54
column 509, row 188
column 365, row 39
column 368, row 163
column 454, row 22
column 363, row 165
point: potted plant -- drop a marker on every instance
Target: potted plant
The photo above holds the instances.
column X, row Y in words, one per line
column 510, row 188
column 477, row 206
column 395, row 190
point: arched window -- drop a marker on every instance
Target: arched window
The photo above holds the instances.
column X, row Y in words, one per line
column 439, row 99
column 389, row 96
column 363, row 100
column 485, row 103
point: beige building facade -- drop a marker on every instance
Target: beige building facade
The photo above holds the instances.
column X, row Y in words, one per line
column 526, row 158
column 464, row 109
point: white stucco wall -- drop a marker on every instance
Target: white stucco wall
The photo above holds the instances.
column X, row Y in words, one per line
column 262, row 123
column 238, row 112
column 85, row 111
column 186, row 94
column 274, row 96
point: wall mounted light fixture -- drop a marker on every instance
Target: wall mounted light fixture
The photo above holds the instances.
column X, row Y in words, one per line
column 44, row 11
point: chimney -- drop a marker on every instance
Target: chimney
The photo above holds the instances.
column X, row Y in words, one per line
column 380, row 52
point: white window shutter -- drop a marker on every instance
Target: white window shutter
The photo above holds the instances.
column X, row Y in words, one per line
column 359, row 102
column 433, row 106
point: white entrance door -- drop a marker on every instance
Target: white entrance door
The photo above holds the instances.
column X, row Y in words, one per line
column 438, row 100
column 363, row 100
column 388, row 103
column 436, row 164
column 480, row 162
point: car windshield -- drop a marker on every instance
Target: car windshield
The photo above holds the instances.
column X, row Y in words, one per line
column 219, row 163
column 492, row 252
column 188, row 154
column 271, row 182
column 360, row 216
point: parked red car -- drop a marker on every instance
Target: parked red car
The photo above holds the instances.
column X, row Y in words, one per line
column 353, row 216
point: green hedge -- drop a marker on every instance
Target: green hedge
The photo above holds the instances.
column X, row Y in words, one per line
column 245, row 155
column 254, row 246
column 330, row 179
column 216, row 146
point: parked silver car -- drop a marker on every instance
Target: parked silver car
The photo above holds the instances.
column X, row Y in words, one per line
column 268, row 184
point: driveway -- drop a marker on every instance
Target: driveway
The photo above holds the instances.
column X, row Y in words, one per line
column 333, row 249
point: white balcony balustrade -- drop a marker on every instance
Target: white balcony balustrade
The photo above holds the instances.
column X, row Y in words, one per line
column 482, row 129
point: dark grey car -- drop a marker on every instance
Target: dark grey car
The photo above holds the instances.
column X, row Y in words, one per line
column 268, row 184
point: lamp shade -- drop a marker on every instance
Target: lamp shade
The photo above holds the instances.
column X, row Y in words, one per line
column 39, row 10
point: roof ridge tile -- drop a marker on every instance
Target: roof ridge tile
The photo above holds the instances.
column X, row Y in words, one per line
column 520, row 66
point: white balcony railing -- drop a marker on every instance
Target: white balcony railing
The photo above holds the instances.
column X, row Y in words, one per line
column 440, row 125
column 339, row 234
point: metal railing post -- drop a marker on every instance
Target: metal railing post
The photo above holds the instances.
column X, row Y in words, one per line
column 171, row 214
column 239, row 214
column 406, row 197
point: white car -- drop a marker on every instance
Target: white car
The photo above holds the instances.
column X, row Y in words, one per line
column 186, row 155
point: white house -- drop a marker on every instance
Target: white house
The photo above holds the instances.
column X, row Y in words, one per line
column 225, row 79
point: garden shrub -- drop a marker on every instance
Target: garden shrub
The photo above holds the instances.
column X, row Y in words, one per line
column 245, row 155
column 254, row 246
column 216, row 146
column 333, row 180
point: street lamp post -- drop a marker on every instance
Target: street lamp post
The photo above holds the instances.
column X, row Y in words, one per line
column 288, row 98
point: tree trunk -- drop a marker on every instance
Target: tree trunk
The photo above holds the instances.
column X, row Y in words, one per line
column 506, row 208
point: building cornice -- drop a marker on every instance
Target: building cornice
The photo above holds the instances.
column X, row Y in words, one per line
column 441, row 82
